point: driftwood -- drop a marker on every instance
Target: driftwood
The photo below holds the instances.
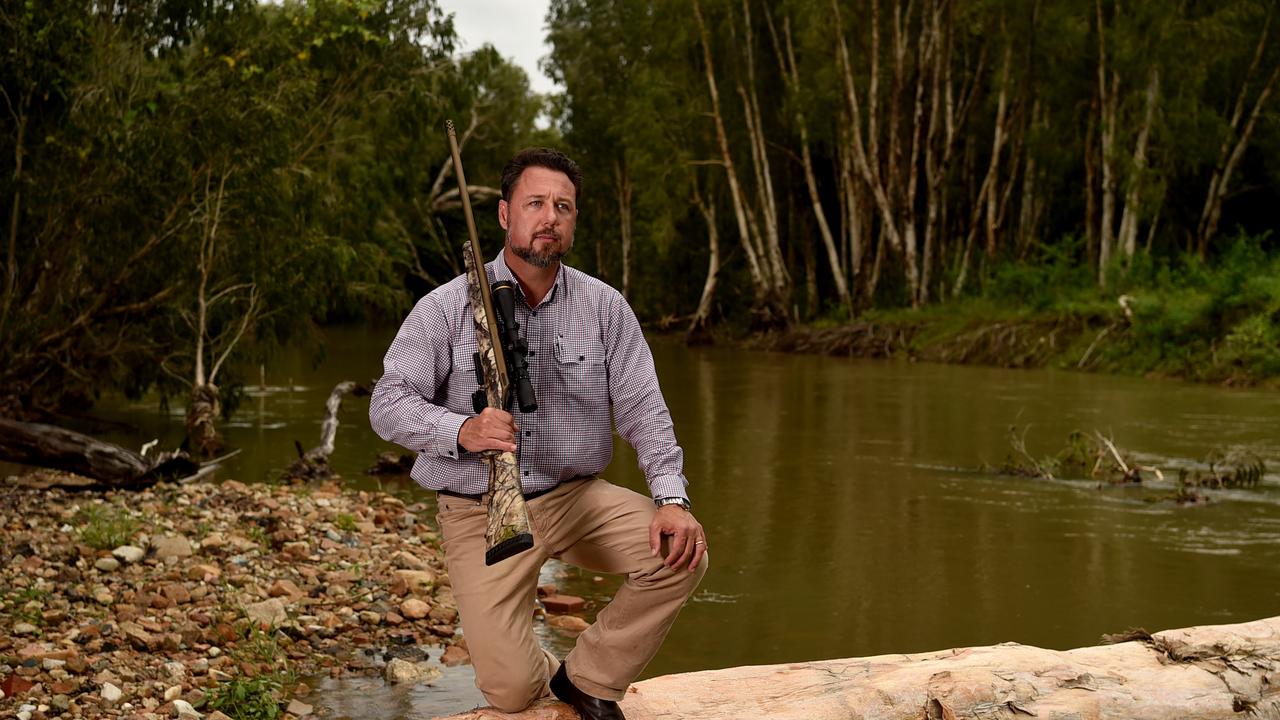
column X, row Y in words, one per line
column 111, row 465
column 314, row 463
column 1199, row 673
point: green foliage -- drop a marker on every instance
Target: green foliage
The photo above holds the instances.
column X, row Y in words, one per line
column 271, row 165
column 1217, row 322
column 24, row 605
column 259, row 536
column 345, row 522
column 106, row 527
column 256, row 698
column 260, row 646
column 281, row 165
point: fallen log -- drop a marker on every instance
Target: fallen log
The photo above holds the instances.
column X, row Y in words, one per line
column 112, row 466
column 314, row 463
column 1198, row 673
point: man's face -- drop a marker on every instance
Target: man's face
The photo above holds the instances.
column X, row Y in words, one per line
column 540, row 217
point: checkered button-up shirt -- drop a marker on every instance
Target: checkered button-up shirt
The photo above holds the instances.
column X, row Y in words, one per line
column 588, row 361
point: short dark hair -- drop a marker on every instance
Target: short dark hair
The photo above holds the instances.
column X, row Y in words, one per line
column 540, row 157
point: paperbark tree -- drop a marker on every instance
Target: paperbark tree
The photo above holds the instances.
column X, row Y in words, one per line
column 767, row 310
column 784, row 48
column 1237, row 137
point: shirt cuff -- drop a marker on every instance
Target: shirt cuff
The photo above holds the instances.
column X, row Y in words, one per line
column 446, row 442
column 668, row 486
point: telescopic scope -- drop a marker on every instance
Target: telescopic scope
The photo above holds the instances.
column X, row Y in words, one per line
column 513, row 346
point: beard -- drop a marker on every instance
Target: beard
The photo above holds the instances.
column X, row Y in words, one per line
column 540, row 258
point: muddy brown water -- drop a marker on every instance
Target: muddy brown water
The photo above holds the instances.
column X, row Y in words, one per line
column 845, row 511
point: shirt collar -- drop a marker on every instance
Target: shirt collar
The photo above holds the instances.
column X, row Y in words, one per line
column 502, row 272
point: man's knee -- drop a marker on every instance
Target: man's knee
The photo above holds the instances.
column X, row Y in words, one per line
column 513, row 696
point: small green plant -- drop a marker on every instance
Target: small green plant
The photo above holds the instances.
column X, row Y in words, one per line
column 345, row 522
column 25, row 605
column 259, row 646
column 258, row 535
column 255, row 698
column 106, row 527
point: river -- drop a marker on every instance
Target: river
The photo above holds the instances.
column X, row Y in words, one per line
column 846, row 512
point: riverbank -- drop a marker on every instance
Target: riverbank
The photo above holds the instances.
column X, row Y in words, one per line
column 212, row 598
column 1183, row 319
column 1128, row 336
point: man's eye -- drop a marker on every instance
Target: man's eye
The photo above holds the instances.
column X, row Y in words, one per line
column 562, row 206
column 535, row 203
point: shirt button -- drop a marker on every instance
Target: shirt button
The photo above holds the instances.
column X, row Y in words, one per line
column 534, row 313
column 526, row 473
column 532, row 353
column 527, row 433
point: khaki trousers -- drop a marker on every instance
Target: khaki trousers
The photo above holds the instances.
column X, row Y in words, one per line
column 589, row 523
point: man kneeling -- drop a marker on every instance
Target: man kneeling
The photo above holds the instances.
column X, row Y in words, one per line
column 591, row 368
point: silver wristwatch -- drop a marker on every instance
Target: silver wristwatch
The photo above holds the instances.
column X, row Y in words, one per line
column 672, row 501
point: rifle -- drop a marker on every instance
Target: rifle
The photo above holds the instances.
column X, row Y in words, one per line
column 493, row 309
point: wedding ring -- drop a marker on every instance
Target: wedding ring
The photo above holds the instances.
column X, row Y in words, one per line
column 699, row 542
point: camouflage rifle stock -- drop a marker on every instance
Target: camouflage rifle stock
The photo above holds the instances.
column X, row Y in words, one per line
column 507, row 532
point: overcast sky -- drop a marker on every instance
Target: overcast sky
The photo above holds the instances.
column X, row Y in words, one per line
column 515, row 27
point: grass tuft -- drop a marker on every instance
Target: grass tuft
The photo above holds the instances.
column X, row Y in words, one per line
column 106, row 527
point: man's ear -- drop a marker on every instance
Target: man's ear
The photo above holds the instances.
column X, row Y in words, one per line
column 502, row 214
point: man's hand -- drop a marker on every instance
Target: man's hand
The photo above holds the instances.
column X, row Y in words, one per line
column 492, row 429
column 688, row 541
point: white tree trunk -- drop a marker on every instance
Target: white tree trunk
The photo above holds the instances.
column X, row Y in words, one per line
column 754, row 262
column 1128, row 239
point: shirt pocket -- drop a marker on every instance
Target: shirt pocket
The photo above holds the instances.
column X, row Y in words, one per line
column 581, row 365
column 579, row 354
column 462, row 380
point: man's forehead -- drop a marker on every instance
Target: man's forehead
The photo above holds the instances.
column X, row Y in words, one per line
column 537, row 180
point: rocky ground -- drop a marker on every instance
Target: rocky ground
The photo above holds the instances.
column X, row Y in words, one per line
column 212, row 600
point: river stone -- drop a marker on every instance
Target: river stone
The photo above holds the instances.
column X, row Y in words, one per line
column 404, row 671
column 183, row 709
column 138, row 637
column 563, row 603
column 269, row 613
column 414, row 609
column 129, row 554
column 111, row 693
column 408, row 561
column 568, row 623
column 107, row 564
column 285, row 588
column 61, row 702
column 171, row 546
column 23, row 628
column 297, row 708
column 417, row 580
column 455, row 655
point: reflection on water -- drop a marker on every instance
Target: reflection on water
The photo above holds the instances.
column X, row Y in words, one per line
column 845, row 513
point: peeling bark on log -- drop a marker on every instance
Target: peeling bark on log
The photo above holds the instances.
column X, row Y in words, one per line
column 1198, row 673
column 111, row 465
